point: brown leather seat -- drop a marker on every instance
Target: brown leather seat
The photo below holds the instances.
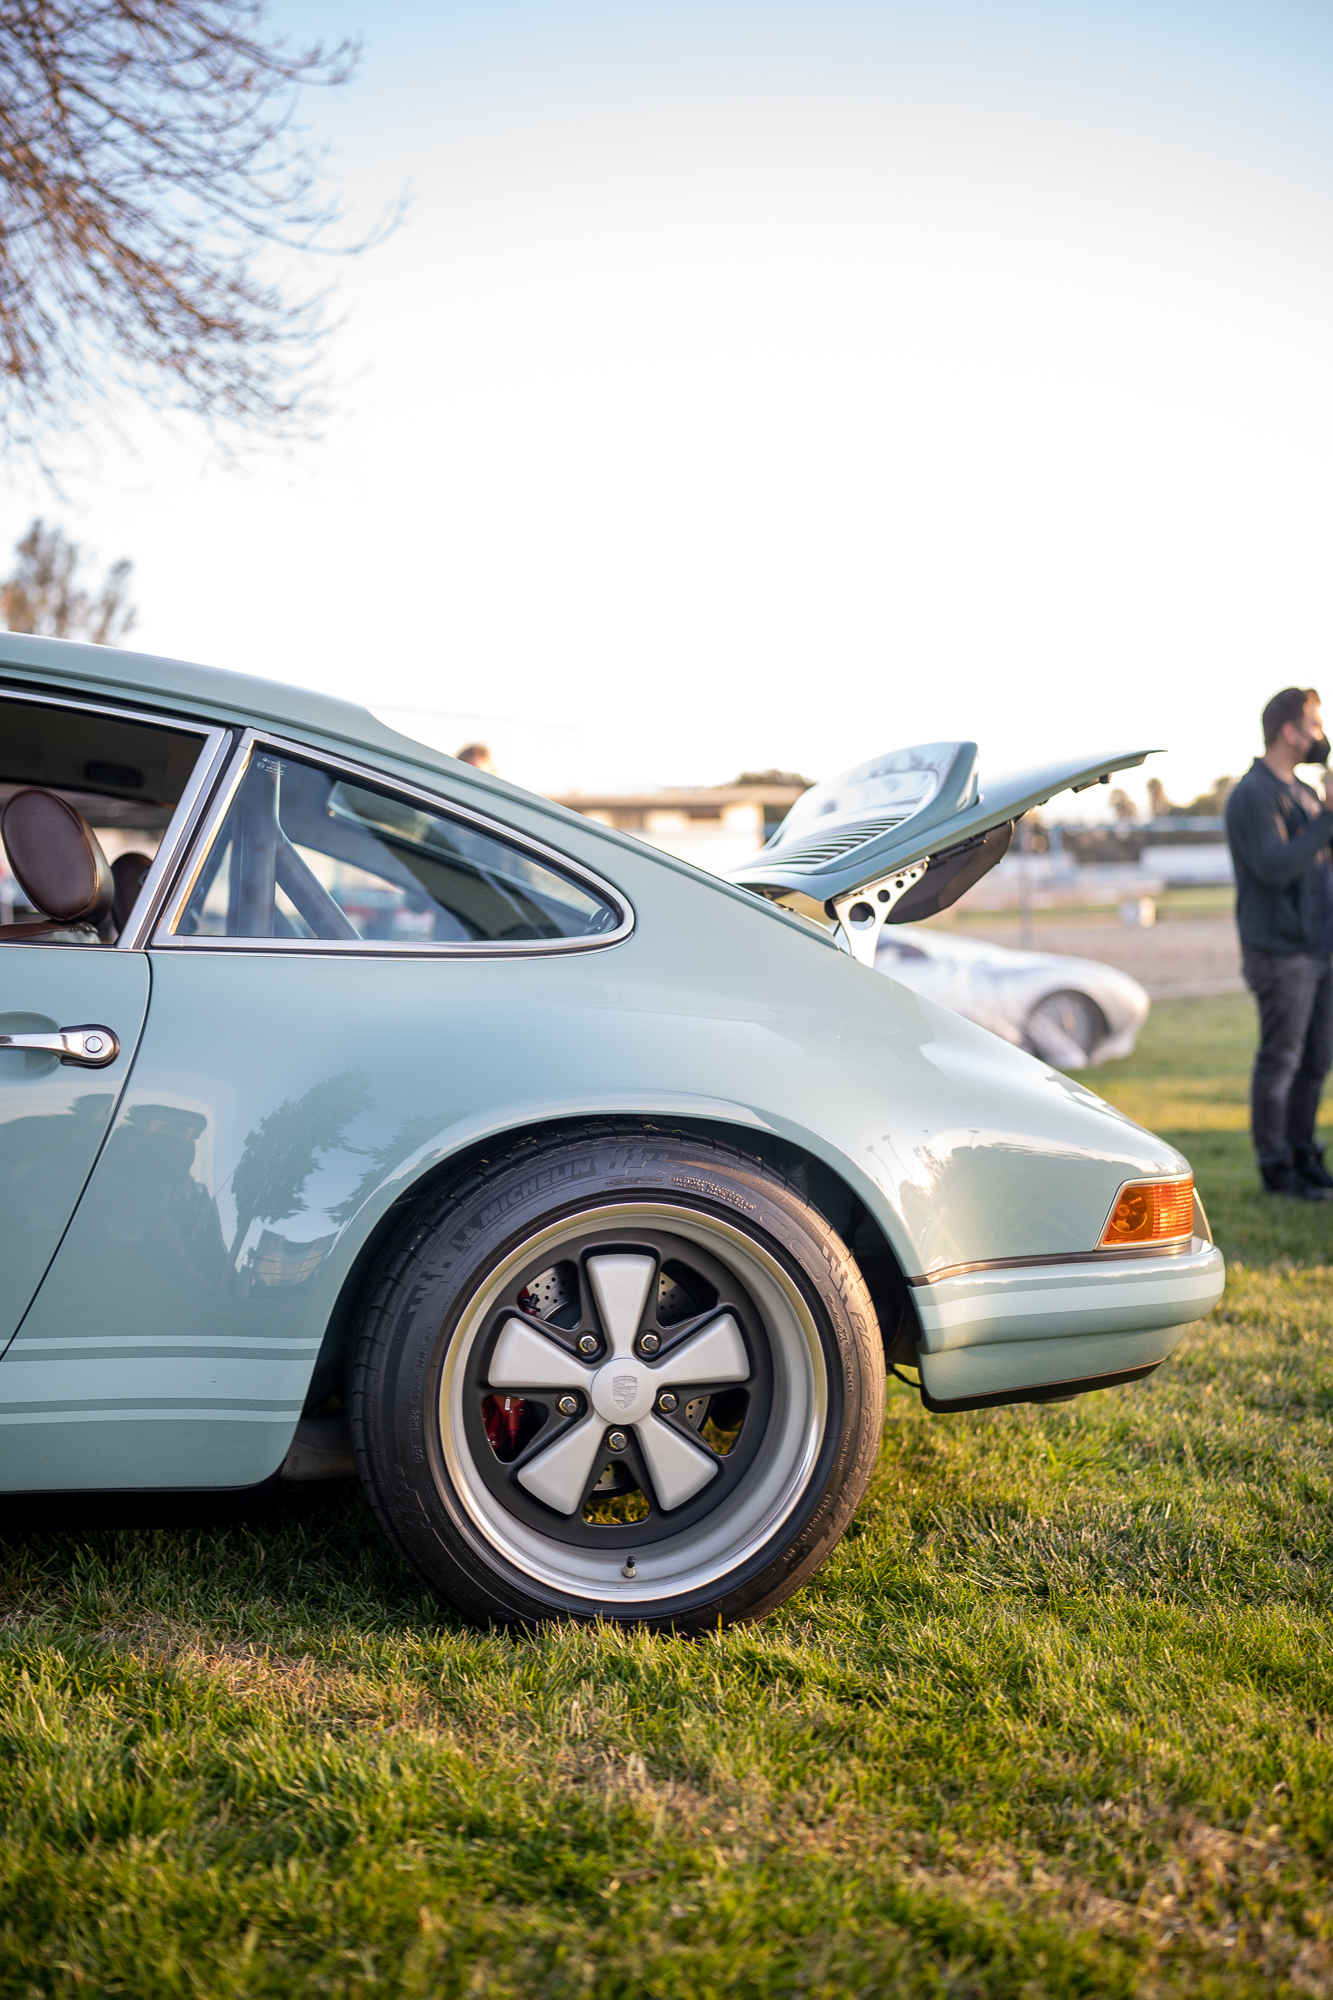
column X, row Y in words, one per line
column 60, row 867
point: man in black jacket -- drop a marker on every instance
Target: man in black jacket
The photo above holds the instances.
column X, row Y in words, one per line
column 1279, row 831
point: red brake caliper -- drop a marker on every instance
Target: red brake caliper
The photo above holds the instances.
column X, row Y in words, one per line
column 502, row 1416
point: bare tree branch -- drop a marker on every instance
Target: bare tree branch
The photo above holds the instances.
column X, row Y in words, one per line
column 148, row 154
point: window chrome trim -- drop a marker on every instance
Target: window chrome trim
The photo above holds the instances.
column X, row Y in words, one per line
column 171, row 914
column 157, row 880
column 214, row 742
column 164, row 937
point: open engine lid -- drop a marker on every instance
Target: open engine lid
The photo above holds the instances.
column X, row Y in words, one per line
column 905, row 834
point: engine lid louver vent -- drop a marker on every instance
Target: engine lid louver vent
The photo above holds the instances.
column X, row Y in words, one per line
column 814, row 853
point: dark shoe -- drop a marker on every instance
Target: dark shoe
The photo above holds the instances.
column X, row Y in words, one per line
column 1287, row 1179
column 1310, row 1166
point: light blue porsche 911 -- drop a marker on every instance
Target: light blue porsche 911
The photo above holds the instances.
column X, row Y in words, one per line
column 359, row 1108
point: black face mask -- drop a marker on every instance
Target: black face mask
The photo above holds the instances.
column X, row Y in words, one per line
column 1319, row 752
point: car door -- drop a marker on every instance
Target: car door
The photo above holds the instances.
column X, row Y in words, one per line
column 71, row 1015
column 902, row 836
column 56, row 1108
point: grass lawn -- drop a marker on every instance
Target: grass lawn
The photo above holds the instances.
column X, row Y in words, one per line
column 1057, row 1718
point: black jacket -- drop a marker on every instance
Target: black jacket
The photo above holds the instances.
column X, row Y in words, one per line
column 1284, row 883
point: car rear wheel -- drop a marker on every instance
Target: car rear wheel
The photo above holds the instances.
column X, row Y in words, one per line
column 1065, row 1028
column 621, row 1375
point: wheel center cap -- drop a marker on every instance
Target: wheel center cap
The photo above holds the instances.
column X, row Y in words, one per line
column 622, row 1392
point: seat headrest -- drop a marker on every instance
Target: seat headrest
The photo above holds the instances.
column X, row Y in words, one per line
column 56, row 858
column 127, row 873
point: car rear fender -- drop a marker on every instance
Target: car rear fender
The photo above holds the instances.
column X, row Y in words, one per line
column 826, row 1188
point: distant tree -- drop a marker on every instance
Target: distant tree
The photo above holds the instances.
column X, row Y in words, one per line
column 1212, row 803
column 773, row 778
column 147, row 153
column 1123, row 806
column 1209, row 805
column 43, row 593
column 1159, row 805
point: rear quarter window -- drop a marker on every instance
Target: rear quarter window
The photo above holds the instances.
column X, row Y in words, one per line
column 306, row 854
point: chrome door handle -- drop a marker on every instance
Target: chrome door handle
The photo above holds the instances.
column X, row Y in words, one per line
column 91, row 1048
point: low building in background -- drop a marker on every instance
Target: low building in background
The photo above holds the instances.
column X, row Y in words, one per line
column 1206, row 864
column 1114, row 843
column 1129, row 862
column 715, row 826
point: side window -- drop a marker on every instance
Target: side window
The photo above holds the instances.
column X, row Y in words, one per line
column 124, row 776
column 305, row 854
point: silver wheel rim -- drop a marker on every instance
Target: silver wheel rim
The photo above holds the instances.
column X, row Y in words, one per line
column 726, row 1539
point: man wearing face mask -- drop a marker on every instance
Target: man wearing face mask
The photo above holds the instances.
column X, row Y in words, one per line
column 1279, row 830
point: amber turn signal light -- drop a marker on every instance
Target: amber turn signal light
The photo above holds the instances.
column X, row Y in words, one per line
column 1151, row 1212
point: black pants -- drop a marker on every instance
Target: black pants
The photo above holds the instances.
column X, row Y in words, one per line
column 1294, row 992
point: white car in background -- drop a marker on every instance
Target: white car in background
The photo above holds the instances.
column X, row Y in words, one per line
column 1072, row 1012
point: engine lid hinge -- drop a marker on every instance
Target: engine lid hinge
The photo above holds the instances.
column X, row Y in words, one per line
column 863, row 913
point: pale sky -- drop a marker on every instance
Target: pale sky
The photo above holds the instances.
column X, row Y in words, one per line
column 759, row 385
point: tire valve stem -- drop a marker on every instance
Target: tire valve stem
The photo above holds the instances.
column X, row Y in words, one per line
column 631, row 1568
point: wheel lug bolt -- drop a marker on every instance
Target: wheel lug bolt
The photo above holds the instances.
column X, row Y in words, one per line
column 649, row 1343
column 617, row 1440
column 567, row 1405
column 587, row 1343
column 666, row 1402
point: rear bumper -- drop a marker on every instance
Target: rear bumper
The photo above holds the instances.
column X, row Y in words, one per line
column 994, row 1334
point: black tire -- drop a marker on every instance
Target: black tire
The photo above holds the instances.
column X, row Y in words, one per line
column 1065, row 1028
column 501, row 1502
